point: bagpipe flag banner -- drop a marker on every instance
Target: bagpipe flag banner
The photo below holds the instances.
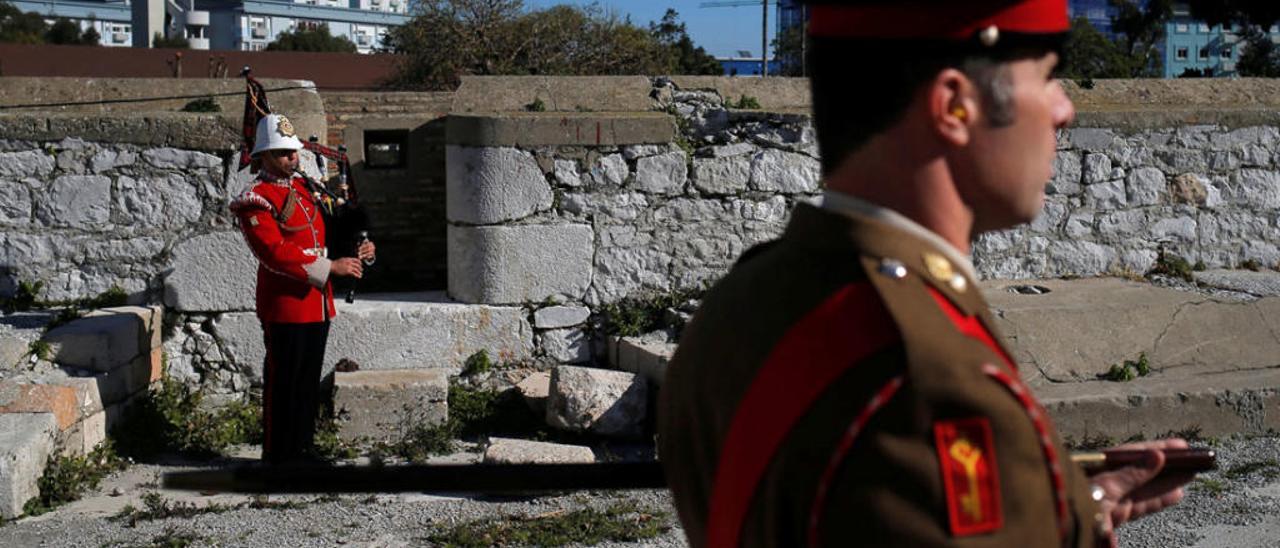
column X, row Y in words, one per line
column 255, row 108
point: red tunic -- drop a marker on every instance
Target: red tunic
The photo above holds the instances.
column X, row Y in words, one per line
column 287, row 236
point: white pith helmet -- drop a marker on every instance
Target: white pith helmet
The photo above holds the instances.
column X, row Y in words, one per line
column 275, row 132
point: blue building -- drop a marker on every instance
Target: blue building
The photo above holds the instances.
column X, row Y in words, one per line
column 1192, row 45
column 247, row 25
column 746, row 65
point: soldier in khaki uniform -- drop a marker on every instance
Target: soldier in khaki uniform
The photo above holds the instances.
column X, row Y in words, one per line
column 843, row 385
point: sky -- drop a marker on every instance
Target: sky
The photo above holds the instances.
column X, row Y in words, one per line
column 722, row 31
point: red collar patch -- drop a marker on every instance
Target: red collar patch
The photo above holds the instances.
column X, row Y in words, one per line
column 969, row 474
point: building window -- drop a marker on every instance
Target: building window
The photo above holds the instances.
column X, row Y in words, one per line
column 1203, row 27
column 258, row 27
column 1182, row 54
column 309, row 25
column 1181, row 28
column 1204, row 53
column 1226, row 52
column 385, row 149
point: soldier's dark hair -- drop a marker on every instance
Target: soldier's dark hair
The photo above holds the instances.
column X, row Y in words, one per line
column 862, row 87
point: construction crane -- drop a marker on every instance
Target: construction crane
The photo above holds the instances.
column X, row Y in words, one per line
column 764, row 25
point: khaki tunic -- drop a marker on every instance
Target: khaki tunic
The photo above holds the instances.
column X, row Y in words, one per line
column 833, row 281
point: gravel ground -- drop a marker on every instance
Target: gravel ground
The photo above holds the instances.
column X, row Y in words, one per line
column 1236, row 506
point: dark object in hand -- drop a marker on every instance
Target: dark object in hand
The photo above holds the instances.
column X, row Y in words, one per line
column 1176, row 461
column 346, row 365
column 361, row 238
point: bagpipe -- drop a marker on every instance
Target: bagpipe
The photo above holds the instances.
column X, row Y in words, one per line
column 346, row 223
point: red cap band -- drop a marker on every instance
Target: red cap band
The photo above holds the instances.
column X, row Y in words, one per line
column 937, row 20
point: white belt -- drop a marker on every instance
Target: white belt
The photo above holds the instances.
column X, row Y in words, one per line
column 316, row 251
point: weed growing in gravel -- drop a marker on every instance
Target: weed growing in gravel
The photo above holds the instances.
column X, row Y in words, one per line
column 472, row 412
column 168, row 539
column 66, row 478
column 327, row 444
column 1209, row 486
column 155, row 507
column 1091, row 442
column 1268, row 469
column 1251, row 264
column 618, row 523
column 41, row 349
column 745, row 102
column 1129, row 370
column 1171, row 265
column 169, row 418
column 477, row 363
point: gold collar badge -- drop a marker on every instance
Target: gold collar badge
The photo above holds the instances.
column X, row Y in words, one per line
column 942, row 270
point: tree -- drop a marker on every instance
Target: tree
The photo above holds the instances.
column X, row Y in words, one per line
column 1089, row 54
column 789, row 47
column 1259, row 56
column 67, row 32
column 317, row 39
column 19, row 27
column 683, row 56
column 1143, row 31
column 177, row 42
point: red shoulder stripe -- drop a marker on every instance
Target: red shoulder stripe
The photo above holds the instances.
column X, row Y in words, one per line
column 971, row 326
column 845, row 329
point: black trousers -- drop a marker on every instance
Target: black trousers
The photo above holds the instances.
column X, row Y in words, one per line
column 291, row 388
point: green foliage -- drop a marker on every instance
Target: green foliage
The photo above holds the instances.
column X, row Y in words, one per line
column 206, row 104
column 472, row 413
column 66, row 478
column 170, row 538
column 636, row 315
column 327, row 444
column 745, row 102
column 41, row 350
column 1199, row 267
column 1210, row 486
column 155, row 507
column 789, row 49
column 317, row 39
column 21, row 27
column 1168, row 264
column 115, row 296
column 160, row 41
column 536, row 106
column 67, row 32
column 1129, row 370
column 1268, row 469
column 448, row 39
column 1091, row 442
column 476, row 364
column 1259, row 56
column 25, row 298
column 1135, row 53
column 169, row 419
column 1251, row 264
column 618, row 523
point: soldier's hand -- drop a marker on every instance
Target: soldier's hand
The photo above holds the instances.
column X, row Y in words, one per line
column 347, row 266
column 1135, row 491
column 367, row 251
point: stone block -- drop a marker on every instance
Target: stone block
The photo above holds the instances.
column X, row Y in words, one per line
column 165, row 201
column 566, row 173
column 26, row 441
column 519, row 264
column 1146, row 186
column 535, row 389
column 381, row 405
column 241, row 337
column 533, row 129
column 662, row 174
column 488, row 185
column 428, row 333
column 567, row 95
column 1067, row 172
column 1108, row 195
column 58, row 401
column 646, row 358
column 785, row 172
column 150, row 322
column 98, row 343
column 722, row 176
column 178, row 159
column 566, row 345
column 211, row 272
column 75, row 201
column 27, row 163
column 598, row 401
column 514, row 451
column 85, row 435
column 609, row 171
column 554, row 317
column 15, row 203
column 1188, row 189
column 607, row 208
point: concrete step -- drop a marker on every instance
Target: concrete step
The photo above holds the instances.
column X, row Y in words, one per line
column 26, row 441
column 382, row 405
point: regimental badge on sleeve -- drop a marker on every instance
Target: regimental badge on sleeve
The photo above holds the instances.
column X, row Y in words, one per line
column 970, row 477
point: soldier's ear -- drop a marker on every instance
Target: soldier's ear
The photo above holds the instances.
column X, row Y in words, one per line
column 953, row 107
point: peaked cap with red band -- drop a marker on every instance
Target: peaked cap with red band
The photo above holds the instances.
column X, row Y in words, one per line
column 989, row 22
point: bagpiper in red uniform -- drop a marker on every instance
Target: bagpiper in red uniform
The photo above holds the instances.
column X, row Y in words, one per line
column 282, row 224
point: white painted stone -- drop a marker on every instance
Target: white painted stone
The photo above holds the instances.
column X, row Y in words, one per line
column 211, row 272
column 516, row 451
column 26, row 440
column 566, row 345
column 1146, row 186
column 171, row 201
column 75, row 201
column 662, row 174
column 29, row 163
column 610, row 170
column 15, row 203
column 553, row 317
column 785, row 172
column 519, row 264
column 424, row 331
column 173, row 158
column 566, row 172
column 729, row 175
column 487, row 185
column 599, row 401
